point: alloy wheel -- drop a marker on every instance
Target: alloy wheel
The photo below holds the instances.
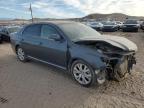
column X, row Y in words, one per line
column 21, row 54
column 82, row 73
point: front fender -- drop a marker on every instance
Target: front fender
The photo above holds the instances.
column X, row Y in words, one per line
column 88, row 55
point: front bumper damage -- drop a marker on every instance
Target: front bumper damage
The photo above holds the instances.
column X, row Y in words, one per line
column 118, row 67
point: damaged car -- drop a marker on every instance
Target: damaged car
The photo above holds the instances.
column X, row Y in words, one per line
column 90, row 57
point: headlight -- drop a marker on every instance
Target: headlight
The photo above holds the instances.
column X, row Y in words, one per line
column 104, row 59
column 101, row 26
column 136, row 26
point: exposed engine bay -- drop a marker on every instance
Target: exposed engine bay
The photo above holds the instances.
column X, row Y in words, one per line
column 118, row 61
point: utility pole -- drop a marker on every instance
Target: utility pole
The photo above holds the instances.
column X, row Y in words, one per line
column 31, row 12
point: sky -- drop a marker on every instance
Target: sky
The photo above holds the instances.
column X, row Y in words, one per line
column 68, row 8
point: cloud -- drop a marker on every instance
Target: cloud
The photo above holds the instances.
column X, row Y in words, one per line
column 55, row 9
column 13, row 10
column 130, row 7
column 74, row 8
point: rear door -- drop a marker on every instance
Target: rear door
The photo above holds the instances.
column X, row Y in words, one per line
column 30, row 40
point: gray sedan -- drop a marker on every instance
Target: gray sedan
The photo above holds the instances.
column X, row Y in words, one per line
column 90, row 57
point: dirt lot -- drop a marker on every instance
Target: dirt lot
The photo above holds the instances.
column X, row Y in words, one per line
column 37, row 85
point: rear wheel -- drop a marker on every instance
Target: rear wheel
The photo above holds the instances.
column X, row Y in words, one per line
column 0, row 39
column 21, row 54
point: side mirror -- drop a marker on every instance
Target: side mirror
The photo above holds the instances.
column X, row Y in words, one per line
column 55, row 37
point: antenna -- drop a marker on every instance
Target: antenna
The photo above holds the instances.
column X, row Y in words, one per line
column 31, row 12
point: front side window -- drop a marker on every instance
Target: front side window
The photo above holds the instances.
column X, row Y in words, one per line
column 32, row 30
column 48, row 31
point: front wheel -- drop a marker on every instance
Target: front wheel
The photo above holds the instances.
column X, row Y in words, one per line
column 84, row 74
column 21, row 54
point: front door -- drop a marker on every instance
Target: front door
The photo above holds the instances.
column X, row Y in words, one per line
column 53, row 51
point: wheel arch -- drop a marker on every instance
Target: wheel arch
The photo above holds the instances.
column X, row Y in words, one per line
column 72, row 60
column 16, row 47
column 95, row 63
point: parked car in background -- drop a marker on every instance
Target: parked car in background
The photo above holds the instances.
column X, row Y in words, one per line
column 130, row 25
column 120, row 24
column 96, row 25
column 89, row 56
column 0, row 34
column 6, row 31
column 0, row 39
column 109, row 26
column 142, row 25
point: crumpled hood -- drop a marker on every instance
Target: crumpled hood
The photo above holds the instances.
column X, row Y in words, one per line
column 117, row 41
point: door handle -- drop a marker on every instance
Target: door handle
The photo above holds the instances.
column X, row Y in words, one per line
column 22, row 40
column 40, row 43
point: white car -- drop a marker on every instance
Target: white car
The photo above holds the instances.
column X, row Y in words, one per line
column 96, row 25
column 119, row 23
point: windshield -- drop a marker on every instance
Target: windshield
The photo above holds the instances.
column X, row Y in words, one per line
column 1, row 28
column 95, row 23
column 130, row 22
column 108, row 23
column 78, row 31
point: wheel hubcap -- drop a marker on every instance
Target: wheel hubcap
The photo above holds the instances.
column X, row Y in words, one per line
column 82, row 73
column 20, row 53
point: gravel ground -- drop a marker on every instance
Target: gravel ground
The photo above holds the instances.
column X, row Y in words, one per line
column 37, row 85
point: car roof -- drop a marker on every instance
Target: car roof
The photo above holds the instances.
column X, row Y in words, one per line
column 54, row 22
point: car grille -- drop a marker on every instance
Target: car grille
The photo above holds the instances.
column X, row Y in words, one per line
column 130, row 25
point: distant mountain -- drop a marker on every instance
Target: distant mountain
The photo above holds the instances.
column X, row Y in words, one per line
column 113, row 16
column 5, row 18
column 96, row 16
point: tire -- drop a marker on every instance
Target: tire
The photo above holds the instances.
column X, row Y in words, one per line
column 136, row 30
column 21, row 54
column 123, row 30
column 84, row 74
column 0, row 39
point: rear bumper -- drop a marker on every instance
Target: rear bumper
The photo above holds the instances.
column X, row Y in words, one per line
column 5, row 37
column 13, row 48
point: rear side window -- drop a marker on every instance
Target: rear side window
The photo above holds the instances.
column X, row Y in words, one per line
column 47, row 31
column 32, row 30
